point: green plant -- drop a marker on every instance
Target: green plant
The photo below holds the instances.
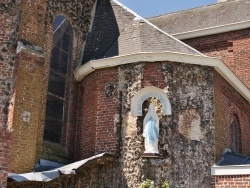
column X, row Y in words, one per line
column 165, row 184
column 150, row 184
column 146, row 184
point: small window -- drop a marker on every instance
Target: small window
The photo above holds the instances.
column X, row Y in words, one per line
column 61, row 58
column 235, row 135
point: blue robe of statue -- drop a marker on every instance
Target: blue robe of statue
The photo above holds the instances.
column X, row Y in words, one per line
column 151, row 131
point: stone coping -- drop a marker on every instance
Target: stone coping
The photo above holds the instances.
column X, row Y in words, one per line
column 230, row 170
column 218, row 65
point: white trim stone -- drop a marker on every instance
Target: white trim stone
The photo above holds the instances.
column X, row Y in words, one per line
column 230, row 170
column 219, row 66
column 145, row 93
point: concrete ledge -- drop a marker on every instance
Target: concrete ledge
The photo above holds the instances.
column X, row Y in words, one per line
column 34, row 50
column 230, row 170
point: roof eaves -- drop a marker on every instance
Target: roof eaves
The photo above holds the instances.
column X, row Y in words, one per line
column 219, row 66
column 213, row 30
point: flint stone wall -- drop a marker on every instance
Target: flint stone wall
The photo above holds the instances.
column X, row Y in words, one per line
column 187, row 157
column 9, row 21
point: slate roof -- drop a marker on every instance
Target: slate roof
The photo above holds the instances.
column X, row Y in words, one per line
column 119, row 31
column 204, row 17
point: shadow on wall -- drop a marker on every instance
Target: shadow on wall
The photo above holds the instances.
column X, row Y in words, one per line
column 102, row 40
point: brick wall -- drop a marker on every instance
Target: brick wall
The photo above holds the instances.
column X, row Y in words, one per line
column 27, row 99
column 107, row 111
column 232, row 181
column 88, row 121
column 98, row 132
column 227, row 103
column 232, row 47
column 152, row 75
column 31, row 78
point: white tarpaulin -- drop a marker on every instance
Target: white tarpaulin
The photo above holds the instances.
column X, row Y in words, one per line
column 51, row 174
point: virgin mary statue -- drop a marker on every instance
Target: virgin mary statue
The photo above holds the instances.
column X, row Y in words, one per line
column 151, row 131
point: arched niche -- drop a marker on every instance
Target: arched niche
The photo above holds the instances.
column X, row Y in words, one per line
column 145, row 93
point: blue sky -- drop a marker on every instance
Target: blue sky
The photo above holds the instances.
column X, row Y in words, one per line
column 148, row 8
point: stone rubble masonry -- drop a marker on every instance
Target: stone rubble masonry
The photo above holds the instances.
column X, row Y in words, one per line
column 9, row 17
column 5, row 142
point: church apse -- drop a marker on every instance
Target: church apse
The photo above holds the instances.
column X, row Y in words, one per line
column 186, row 123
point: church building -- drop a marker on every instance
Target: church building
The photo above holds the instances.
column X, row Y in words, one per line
column 93, row 95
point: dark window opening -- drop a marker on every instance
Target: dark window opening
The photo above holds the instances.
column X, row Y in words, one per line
column 57, row 88
column 235, row 135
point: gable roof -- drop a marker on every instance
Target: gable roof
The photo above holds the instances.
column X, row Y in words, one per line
column 119, row 31
column 216, row 15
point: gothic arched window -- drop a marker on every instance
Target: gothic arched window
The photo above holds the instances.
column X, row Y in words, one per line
column 61, row 58
column 235, row 135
